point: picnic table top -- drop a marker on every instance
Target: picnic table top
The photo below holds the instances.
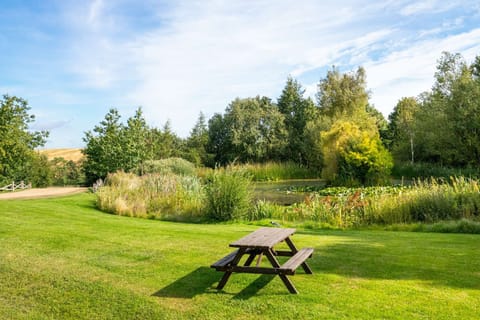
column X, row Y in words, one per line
column 263, row 238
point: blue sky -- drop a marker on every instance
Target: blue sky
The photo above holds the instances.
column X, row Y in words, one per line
column 74, row 60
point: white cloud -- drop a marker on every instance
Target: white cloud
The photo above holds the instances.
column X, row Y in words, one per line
column 94, row 12
column 206, row 53
column 410, row 71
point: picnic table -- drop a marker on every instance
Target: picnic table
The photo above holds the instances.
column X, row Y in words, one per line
column 261, row 243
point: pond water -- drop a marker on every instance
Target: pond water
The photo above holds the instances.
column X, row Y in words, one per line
column 278, row 191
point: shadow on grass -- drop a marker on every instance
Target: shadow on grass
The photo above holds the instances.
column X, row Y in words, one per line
column 196, row 282
column 202, row 280
column 254, row 287
column 438, row 261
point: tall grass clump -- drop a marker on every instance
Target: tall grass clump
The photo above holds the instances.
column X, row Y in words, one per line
column 273, row 171
column 430, row 201
column 228, row 194
column 164, row 196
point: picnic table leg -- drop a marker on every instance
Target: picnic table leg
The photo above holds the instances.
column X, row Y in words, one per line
column 271, row 257
column 251, row 257
column 294, row 249
column 228, row 273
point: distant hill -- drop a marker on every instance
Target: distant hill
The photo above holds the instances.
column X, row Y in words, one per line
column 74, row 154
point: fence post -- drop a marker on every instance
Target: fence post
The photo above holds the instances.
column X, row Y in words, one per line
column 13, row 186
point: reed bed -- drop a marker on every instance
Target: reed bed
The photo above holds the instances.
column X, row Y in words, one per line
column 427, row 201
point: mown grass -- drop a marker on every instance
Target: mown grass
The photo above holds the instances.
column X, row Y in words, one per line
column 64, row 259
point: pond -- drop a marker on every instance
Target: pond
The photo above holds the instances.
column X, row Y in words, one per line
column 279, row 191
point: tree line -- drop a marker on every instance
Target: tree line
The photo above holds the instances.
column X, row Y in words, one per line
column 339, row 133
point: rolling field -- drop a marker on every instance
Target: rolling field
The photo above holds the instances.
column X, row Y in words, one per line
column 74, row 154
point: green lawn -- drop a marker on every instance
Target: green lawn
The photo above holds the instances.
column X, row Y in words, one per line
column 63, row 259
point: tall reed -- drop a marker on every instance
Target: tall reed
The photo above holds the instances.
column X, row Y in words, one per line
column 427, row 201
column 164, row 196
column 273, row 171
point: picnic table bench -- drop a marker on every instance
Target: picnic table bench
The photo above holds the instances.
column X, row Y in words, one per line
column 261, row 243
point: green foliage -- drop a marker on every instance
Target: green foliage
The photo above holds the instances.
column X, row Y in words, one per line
column 424, row 170
column 401, row 129
column 343, row 95
column 446, row 125
column 176, row 166
column 354, row 157
column 197, row 143
column 313, row 141
column 297, row 111
column 113, row 146
column 66, row 172
column 17, row 142
column 229, row 195
column 381, row 124
column 257, row 129
column 40, row 171
column 165, row 143
column 103, row 150
column 252, row 130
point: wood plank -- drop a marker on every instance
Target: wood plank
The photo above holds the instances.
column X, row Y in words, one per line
column 258, row 270
column 225, row 260
column 294, row 262
column 263, row 238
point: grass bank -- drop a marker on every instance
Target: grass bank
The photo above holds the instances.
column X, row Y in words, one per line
column 64, row 259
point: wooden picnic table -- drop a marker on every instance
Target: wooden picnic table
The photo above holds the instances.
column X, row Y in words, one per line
column 261, row 243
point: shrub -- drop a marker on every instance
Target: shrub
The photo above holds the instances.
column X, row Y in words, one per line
column 228, row 192
column 354, row 157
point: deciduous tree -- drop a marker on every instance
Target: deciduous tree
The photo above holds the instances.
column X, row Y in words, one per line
column 17, row 142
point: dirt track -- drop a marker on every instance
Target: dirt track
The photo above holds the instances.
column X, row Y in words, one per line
column 40, row 193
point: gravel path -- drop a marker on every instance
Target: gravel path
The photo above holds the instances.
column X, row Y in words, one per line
column 40, row 192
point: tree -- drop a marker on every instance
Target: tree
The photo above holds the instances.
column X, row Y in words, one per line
column 381, row 123
column 352, row 152
column 257, row 129
column 343, row 96
column 313, row 141
column 353, row 156
column 137, row 142
column 447, row 122
column 401, row 129
column 165, row 143
column 297, row 111
column 197, row 142
column 17, row 142
column 220, row 140
column 113, row 146
column 104, row 147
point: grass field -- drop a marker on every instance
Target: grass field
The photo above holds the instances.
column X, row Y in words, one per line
column 63, row 259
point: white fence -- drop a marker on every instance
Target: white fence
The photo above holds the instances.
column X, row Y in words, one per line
column 13, row 186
